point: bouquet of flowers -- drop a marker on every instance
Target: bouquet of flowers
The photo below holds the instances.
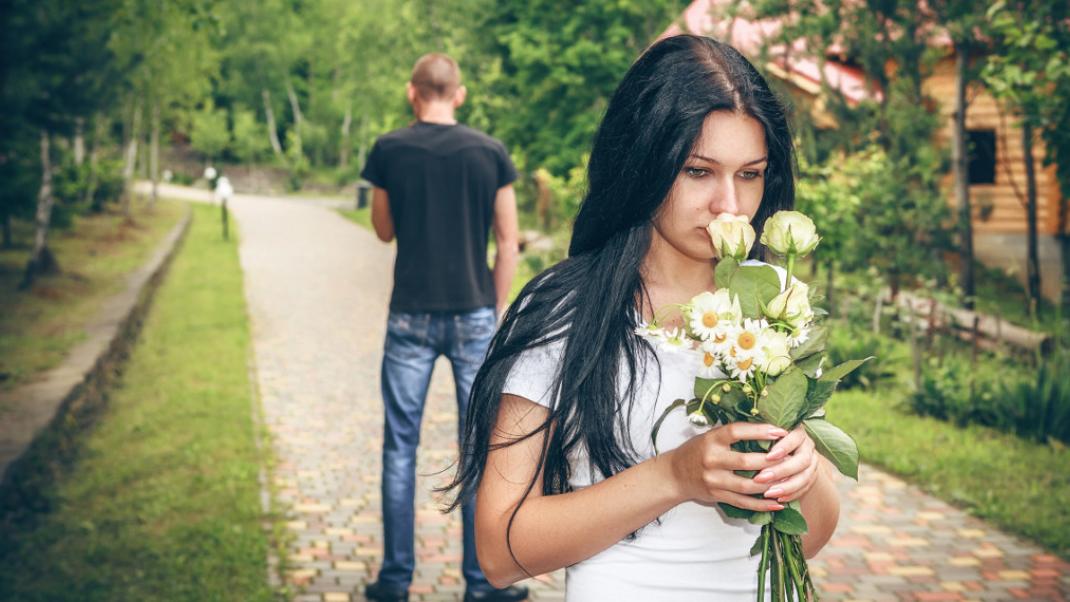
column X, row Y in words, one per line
column 760, row 356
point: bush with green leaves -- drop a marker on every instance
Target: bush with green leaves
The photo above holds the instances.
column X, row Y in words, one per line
column 1030, row 401
column 846, row 342
column 249, row 142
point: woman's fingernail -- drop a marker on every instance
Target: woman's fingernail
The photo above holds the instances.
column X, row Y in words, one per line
column 765, row 475
column 778, row 507
column 773, row 492
column 777, row 433
column 775, row 455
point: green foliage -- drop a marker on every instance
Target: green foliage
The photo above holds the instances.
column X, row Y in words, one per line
column 1031, row 402
column 847, row 341
column 559, row 62
column 210, row 135
column 248, row 142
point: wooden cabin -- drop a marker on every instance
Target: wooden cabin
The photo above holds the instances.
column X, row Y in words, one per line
column 997, row 170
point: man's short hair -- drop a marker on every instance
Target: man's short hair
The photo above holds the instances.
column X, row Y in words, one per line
column 436, row 76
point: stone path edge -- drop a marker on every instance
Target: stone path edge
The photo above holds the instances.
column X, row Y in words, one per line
column 80, row 383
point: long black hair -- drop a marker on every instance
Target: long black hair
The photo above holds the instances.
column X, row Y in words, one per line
column 588, row 302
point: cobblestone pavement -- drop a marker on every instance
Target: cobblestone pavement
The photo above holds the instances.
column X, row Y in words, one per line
column 317, row 288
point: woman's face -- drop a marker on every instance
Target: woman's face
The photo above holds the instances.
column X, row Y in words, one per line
column 724, row 174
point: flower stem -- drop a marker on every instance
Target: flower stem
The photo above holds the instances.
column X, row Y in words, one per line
column 791, row 269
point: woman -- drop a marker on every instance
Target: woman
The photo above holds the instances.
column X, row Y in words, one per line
column 557, row 446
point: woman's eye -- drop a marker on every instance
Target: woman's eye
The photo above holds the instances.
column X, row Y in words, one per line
column 750, row 174
column 695, row 172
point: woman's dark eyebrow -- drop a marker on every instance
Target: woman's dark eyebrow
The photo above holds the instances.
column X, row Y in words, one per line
column 754, row 162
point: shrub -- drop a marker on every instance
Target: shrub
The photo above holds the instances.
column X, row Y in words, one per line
column 846, row 342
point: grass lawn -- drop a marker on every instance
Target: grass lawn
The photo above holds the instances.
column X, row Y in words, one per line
column 161, row 500
column 1020, row 486
column 38, row 327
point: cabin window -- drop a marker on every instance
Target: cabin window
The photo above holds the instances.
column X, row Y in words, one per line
column 981, row 149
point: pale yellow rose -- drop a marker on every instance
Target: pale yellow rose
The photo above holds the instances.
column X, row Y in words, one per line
column 792, row 305
column 732, row 235
column 790, row 232
column 775, row 354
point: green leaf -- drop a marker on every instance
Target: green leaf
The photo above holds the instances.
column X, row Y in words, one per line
column 819, row 337
column 810, row 365
column 732, row 512
column 834, row 444
column 703, row 386
column 757, row 549
column 657, row 425
column 722, row 274
column 817, row 393
column 789, row 521
column 755, row 285
column 842, row 370
column 784, row 403
column 761, row 518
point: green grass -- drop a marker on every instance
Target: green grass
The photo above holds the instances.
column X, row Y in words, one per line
column 161, row 499
column 1020, row 486
column 359, row 216
column 38, row 327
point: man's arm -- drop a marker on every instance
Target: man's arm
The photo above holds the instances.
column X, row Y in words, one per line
column 507, row 239
column 381, row 218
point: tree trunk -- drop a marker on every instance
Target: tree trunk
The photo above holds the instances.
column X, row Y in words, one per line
column 1032, row 259
column 343, row 150
column 960, row 164
column 154, row 154
column 362, row 150
column 273, row 132
column 41, row 259
column 295, row 106
column 94, row 154
column 79, row 141
column 131, row 161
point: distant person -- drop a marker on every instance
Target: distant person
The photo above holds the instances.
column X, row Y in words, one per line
column 439, row 187
column 223, row 190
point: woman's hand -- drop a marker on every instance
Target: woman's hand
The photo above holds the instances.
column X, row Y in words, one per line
column 794, row 469
column 703, row 468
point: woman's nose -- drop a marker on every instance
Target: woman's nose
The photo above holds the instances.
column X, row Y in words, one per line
column 725, row 198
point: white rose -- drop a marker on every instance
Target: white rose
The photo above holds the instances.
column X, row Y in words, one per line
column 792, row 305
column 790, row 232
column 732, row 235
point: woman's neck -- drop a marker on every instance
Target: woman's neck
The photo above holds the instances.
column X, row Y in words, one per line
column 672, row 278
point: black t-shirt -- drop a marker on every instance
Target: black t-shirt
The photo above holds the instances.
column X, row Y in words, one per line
column 442, row 181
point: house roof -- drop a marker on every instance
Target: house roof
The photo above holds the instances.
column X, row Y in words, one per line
column 748, row 36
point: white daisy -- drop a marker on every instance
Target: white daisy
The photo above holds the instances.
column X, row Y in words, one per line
column 710, row 314
column 709, row 362
column 745, row 348
column 650, row 331
column 674, row 341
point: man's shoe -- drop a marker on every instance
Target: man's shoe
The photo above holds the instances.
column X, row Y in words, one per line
column 513, row 593
column 380, row 593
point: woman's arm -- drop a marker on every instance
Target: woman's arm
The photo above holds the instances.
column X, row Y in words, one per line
column 551, row 532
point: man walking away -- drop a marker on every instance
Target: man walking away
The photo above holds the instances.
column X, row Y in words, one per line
column 440, row 187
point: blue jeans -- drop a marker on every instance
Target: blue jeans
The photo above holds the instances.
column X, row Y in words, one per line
column 413, row 343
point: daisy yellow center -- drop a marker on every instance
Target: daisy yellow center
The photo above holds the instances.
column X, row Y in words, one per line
column 708, row 360
column 709, row 319
column 745, row 364
column 747, row 340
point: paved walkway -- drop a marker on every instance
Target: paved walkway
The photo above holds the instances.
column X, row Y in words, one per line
column 317, row 287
